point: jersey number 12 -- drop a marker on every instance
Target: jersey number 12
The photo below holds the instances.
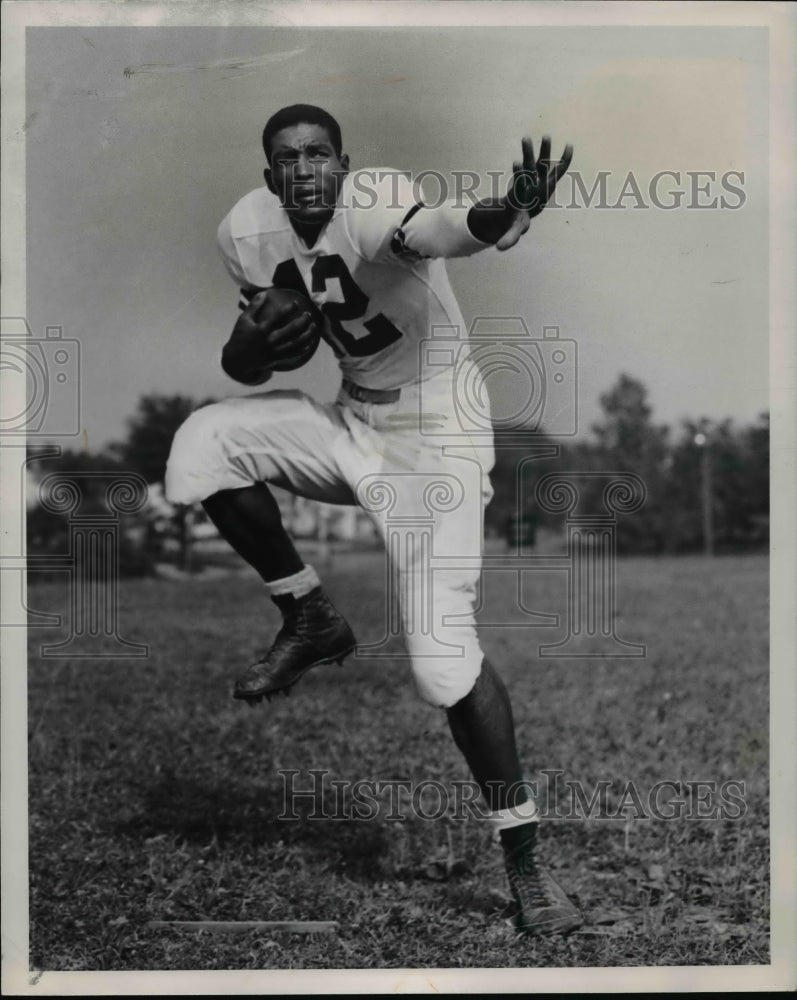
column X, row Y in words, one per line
column 381, row 332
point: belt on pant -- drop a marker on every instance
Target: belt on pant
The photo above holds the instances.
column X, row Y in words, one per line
column 363, row 395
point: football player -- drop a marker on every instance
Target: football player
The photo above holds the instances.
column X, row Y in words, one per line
column 364, row 259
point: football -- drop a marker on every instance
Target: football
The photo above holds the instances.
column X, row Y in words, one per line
column 279, row 298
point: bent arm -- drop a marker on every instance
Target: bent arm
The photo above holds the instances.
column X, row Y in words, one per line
column 242, row 356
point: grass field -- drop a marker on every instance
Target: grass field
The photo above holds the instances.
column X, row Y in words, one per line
column 155, row 796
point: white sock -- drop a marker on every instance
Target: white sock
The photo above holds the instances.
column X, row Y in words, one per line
column 505, row 819
column 298, row 585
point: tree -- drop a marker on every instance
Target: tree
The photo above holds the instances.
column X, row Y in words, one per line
column 738, row 483
column 146, row 449
column 48, row 532
column 755, row 502
column 513, row 498
column 150, row 432
column 627, row 440
column 626, row 432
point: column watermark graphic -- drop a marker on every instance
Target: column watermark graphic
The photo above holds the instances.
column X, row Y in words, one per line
column 14, row 560
column 92, row 560
column 415, row 552
column 591, row 559
column 42, row 402
column 589, row 566
column 499, row 378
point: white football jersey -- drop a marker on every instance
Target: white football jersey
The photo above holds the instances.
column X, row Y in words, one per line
column 375, row 272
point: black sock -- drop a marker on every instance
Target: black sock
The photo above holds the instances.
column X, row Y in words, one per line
column 521, row 837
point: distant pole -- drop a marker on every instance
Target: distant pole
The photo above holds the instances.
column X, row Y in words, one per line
column 705, row 494
column 323, row 535
column 185, row 521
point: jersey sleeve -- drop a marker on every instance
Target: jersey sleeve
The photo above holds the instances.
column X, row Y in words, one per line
column 387, row 220
column 229, row 252
column 439, row 231
column 232, row 262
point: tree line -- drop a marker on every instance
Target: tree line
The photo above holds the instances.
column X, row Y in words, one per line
column 701, row 476
column 701, row 464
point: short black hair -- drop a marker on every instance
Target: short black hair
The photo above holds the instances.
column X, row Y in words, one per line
column 301, row 114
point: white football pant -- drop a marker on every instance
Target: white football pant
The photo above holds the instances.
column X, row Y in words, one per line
column 421, row 476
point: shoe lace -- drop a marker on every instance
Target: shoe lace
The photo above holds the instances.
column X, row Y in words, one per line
column 526, row 879
column 302, row 620
column 298, row 618
column 284, row 635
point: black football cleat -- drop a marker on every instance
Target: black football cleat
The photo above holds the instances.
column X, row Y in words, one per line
column 543, row 908
column 313, row 632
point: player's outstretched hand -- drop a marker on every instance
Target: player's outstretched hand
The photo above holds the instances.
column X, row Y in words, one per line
column 533, row 182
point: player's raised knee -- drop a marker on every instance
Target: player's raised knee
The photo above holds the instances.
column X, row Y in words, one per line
column 192, row 453
column 444, row 682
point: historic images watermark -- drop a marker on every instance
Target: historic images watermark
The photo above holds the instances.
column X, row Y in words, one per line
column 315, row 794
column 666, row 190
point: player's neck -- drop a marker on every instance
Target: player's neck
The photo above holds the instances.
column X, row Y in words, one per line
column 308, row 232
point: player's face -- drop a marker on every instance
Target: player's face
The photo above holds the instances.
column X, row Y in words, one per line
column 306, row 173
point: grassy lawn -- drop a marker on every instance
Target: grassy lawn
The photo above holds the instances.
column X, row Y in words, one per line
column 155, row 796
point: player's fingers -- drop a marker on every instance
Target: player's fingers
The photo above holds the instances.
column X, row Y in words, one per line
column 564, row 162
column 515, row 231
column 295, row 346
column 545, row 152
column 302, row 337
column 291, row 318
column 560, row 168
column 295, row 350
column 528, row 152
column 291, row 334
column 299, row 327
column 281, row 313
column 282, row 332
column 529, row 192
column 507, row 241
column 517, row 186
column 285, row 308
column 255, row 304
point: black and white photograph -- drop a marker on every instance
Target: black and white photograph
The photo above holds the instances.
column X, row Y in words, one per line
column 398, row 490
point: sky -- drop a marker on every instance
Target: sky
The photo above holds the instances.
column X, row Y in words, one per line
column 139, row 140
